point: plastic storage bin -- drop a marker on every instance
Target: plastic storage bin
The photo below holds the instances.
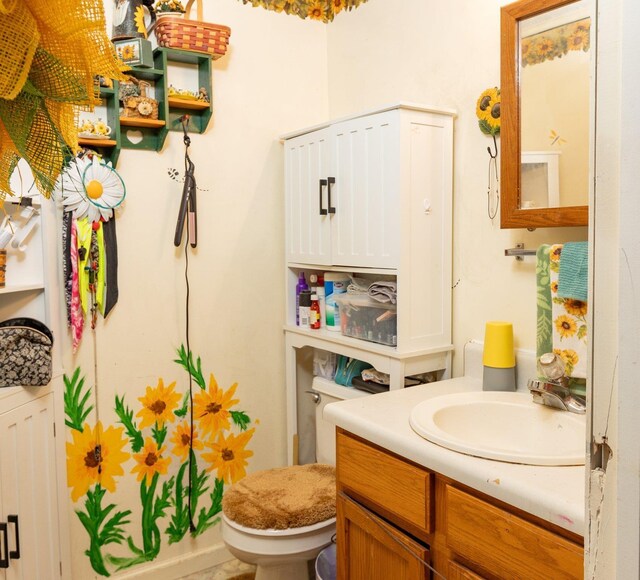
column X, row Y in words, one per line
column 367, row 319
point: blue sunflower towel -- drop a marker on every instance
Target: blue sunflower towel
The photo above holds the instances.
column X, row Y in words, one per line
column 574, row 271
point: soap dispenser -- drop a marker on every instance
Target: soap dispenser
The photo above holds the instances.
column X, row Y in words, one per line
column 498, row 357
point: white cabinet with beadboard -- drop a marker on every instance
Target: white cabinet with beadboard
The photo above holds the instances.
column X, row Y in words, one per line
column 33, row 495
column 371, row 195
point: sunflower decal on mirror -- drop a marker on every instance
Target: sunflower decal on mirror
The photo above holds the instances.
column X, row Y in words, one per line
column 488, row 111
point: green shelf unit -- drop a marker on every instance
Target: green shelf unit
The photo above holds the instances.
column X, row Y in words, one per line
column 144, row 136
column 199, row 117
column 108, row 148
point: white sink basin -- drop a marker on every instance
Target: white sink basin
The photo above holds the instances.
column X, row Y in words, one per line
column 503, row 426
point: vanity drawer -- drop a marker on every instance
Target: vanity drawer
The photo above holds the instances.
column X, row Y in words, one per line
column 402, row 490
column 505, row 544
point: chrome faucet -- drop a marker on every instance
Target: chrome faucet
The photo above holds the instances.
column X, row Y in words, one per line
column 553, row 389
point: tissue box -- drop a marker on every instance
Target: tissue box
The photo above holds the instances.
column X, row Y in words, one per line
column 364, row 318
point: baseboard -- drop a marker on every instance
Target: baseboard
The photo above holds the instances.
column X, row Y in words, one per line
column 181, row 566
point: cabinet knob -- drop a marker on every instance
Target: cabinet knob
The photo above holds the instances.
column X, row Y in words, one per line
column 427, row 206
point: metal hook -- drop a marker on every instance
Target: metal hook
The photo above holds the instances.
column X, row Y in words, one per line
column 495, row 145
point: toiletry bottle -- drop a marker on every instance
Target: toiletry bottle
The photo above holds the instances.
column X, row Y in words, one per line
column 305, row 308
column 321, row 304
column 334, row 283
column 314, row 313
column 300, row 286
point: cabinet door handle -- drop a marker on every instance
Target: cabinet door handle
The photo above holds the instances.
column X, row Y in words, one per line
column 15, row 554
column 330, row 181
column 4, row 562
column 323, row 183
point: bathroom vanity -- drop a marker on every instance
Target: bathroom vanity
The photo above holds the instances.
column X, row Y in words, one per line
column 409, row 502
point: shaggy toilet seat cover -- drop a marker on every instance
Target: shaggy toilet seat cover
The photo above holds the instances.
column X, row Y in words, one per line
column 282, row 498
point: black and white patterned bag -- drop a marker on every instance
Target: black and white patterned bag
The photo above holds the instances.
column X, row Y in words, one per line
column 25, row 353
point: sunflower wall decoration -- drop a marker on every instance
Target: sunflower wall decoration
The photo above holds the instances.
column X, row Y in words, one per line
column 44, row 78
column 91, row 190
column 488, row 113
column 323, row 10
column 156, row 444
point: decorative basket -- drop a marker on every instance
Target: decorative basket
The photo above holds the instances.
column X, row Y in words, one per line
column 141, row 107
column 194, row 35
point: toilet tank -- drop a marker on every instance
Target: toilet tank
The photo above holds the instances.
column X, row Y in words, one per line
column 329, row 392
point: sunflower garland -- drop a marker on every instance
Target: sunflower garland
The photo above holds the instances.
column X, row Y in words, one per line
column 322, row 10
column 556, row 43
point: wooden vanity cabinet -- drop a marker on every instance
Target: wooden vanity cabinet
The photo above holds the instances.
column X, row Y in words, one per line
column 394, row 518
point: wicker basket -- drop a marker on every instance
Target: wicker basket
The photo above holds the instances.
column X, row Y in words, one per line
column 142, row 107
column 194, row 35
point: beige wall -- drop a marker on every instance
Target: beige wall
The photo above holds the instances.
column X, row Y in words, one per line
column 446, row 53
column 272, row 80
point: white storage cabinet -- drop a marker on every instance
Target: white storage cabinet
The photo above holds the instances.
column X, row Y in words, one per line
column 372, row 195
column 34, row 543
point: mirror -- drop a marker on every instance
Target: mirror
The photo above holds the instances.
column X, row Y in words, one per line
column 547, row 53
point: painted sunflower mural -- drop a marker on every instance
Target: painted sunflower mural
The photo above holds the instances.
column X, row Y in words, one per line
column 156, row 443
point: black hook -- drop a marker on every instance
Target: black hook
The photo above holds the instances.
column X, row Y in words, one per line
column 185, row 127
column 495, row 145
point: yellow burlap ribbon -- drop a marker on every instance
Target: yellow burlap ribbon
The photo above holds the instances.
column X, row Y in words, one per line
column 51, row 52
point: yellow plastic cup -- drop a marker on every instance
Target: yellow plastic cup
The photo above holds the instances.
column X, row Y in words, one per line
column 498, row 350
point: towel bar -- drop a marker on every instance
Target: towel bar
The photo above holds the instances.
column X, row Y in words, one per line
column 519, row 252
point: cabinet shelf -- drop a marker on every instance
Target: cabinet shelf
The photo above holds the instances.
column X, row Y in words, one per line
column 199, row 112
column 97, row 142
column 346, row 269
column 146, row 74
column 191, row 105
column 21, row 288
column 322, row 336
column 108, row 148
column 147, row 123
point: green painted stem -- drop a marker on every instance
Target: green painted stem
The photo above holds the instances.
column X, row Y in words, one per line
column 95, row 557
column 149, row 547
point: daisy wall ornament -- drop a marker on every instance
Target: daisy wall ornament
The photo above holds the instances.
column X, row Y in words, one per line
column 91, row 188
column 488, row 113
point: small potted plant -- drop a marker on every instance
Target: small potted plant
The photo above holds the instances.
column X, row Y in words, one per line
column 169, row 8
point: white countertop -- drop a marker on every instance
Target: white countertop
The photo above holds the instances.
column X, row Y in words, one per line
column 555, row 494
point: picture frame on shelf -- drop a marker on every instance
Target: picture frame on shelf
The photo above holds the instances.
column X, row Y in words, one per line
column 135, row 52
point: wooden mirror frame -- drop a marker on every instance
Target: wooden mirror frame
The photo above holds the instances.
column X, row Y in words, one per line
column 511, row 215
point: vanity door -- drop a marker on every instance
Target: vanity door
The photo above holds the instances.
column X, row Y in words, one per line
column 371, row 549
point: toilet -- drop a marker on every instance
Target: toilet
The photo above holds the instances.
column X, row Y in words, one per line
column 259, row 511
